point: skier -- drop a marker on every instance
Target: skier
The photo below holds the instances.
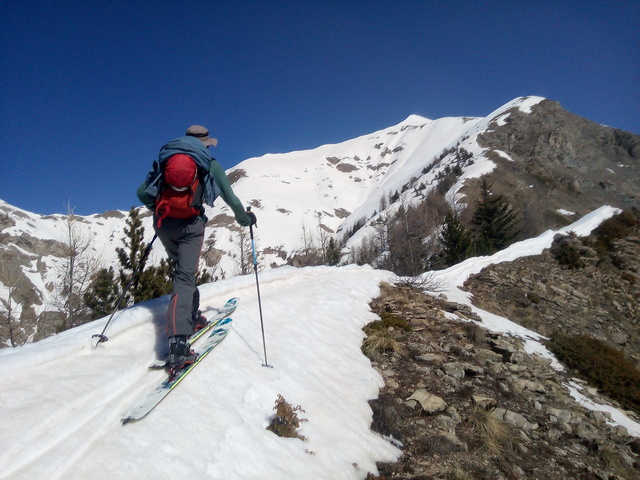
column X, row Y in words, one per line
column 184, row 178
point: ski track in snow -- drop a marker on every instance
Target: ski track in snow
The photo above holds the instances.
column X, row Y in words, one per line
column 61, row 415
column 63, row 399
column 70, row 427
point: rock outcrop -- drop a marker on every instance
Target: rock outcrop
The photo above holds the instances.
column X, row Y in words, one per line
column 465, row 403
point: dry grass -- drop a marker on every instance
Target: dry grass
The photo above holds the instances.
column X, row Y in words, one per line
column 615, row 463
column 491, row 434
column 475, row 333
column 455, row 473
column 380, row 341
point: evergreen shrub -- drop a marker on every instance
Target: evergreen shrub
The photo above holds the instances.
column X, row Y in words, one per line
column 602, row 366
column 386, row 321
column 614, row 228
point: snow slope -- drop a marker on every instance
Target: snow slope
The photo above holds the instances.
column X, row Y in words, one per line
column 298, row 197
column 62, row 400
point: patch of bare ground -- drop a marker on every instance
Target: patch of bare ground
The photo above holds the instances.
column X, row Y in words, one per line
column 464, row 403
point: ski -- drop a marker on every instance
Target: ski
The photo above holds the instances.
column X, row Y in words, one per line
column 220, row 315
column 147, row 403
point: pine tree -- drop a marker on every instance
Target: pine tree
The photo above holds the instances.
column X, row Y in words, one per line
column 495, row 222
column 131, row 257
column 155, row 281
column 150, row 282
column 456, row 240
column 333, row 252
column 103, row 293
column 204, row 276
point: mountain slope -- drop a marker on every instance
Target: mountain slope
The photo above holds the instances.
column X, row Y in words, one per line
column 62, row 399
column 552, row 166
column 341, row 186
column 556, row 166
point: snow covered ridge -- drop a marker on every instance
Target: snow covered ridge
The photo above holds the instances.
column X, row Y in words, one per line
column 62, row 399
column 298, row 197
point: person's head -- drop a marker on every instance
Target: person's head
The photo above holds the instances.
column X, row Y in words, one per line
column 202, row 134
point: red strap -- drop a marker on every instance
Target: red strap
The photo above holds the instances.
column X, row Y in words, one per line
column 161, row 213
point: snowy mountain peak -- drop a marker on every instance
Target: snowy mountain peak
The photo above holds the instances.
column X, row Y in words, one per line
column 344, row 190
column 336, row 187
column 300, row 198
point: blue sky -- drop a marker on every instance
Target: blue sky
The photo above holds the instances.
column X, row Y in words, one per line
column 90, row 91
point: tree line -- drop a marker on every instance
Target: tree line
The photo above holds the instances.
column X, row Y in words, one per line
column 431, row 235
column 409, row 242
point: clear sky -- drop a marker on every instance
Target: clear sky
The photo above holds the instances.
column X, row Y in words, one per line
column 89, row 91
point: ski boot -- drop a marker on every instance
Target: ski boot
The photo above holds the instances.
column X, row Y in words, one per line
column 198, row 321
column 180, row 354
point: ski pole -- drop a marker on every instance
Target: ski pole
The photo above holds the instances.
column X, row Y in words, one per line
column 255, row 269
column 101, row 336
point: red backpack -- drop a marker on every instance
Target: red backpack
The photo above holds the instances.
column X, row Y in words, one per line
column 181, row 192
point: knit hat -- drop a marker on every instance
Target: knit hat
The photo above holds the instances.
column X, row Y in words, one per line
column 202, row 134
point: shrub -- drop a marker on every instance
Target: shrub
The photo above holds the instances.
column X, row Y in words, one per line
column 568, row 251
column 614, row 228
column 387, row 320
column 602, row 366
column 286, row 421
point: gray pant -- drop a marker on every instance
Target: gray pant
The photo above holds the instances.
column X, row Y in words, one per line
column 182, row 239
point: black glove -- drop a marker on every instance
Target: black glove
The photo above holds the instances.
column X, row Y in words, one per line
column 252, row 216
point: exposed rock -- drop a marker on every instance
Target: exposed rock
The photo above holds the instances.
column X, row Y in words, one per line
column 432, row 357
column 513, row 418
column 429, row 403
column 437, row 389
column 599, row 299
column 558, row 160
column 484, row 402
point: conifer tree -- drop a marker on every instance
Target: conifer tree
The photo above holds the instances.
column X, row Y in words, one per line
column 456, row 240
column 495, row 222
column 103, row 293
column 155, row 281
column 150, row 282
column 333, row 252
column 131, row 257
column 204, row 276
